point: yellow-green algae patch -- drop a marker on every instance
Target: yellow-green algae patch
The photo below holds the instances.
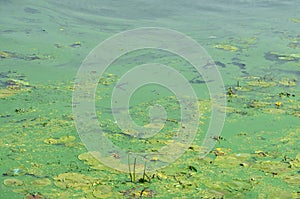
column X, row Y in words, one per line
column 13, row 182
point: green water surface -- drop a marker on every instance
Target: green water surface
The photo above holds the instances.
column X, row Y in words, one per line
column 256, row 47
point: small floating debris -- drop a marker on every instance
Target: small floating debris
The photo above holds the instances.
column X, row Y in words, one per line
column 76, row 44
column 278, row 104
column 4, row 54
column 227, row 47
column 34, row 196
column 274, row 56
column 7, row 54
column 19, row 171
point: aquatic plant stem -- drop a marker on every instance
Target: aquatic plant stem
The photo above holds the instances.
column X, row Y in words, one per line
column 134, row 169
column 144, row 173
column 130, row 175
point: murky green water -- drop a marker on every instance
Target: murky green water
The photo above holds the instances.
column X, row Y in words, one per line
column 256, row 46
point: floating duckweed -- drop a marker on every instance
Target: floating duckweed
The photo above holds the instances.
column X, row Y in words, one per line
column 274, row 110
column 227, row 47
column 275, row 168
column 66, row 140
column 237, row 185
column 274, row 192
column 17, row 82
column 292, row 179
column 4, row 93
column 41, row 182
column 74, row 180
column 232, row 160
column 90, row 160
column 103, row 191
column 258, row 104
column 161, row 176
column 295, row 162
column 51, row 141
column 287, row 82
column 261, row 83
column 13, row 182
column 4, row 54
column 108, row 79
column 283, row 57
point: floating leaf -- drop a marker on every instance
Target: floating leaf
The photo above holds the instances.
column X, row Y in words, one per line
column 40, row 182
column 13, row 182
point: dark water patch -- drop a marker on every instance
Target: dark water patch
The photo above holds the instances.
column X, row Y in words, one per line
column 8, row 31
column 242, row 66
column 4, row 116
column 31, row 10
column 218, row 63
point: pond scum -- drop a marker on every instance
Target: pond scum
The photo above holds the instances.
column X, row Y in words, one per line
column 257, row 155
column 265, row 163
